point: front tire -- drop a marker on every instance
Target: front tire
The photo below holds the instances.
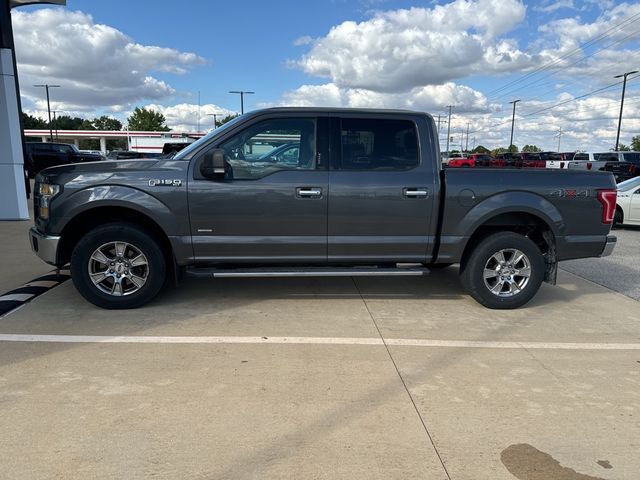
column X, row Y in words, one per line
column 118, row 266
column 504, row 271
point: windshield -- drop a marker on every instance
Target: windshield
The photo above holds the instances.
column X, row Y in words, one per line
column 186, row 152
column 629, row 184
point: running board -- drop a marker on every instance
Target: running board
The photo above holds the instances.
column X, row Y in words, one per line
column 307, row 272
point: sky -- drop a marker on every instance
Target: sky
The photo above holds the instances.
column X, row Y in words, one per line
column 558, row 57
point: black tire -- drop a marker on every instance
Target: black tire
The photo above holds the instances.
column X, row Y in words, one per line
column 138, row 239
column 482, row 255
column 618, row 217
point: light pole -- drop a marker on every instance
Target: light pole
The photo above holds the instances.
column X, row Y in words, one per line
column 624, row 87
column 56, row 122
column 449, row 129
column 215, row 122
column 47, row 87
column 513, row 121
column 242, row 94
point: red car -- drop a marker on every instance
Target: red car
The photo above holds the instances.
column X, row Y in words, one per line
column 472, row 160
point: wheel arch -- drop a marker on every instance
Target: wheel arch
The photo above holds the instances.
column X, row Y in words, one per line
column 96, row 216
column 526, row 223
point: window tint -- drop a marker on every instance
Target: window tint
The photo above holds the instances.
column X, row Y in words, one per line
column 384, row 145
column 271, row 146
column 606, row 157
column 633, row 157
column 581, row 156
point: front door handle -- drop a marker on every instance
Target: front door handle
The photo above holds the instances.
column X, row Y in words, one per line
column 309, row 192
column 410, row 192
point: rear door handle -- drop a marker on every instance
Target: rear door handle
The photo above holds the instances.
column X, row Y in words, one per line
column 411, row 192
column 309, row 192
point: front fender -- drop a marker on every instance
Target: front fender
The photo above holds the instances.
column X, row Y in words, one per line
column 116, row 196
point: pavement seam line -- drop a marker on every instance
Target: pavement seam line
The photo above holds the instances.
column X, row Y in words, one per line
column 415, row 407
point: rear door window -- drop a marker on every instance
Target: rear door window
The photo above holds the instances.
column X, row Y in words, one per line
column 378, row 144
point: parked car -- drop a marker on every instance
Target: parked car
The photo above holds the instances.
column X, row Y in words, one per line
column 41, row 155
column 628, row 203
column 623, row 165
column 130, row 154
column 472, row 160
column 461, row 162
column 95, row 152
column 448, row 156
column 366, row 196
column 556, row 159
column 518, row 160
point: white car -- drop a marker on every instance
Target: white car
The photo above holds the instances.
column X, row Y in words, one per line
column 628, row 207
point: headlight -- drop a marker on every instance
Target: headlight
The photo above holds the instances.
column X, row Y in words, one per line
column 46, row 191
column 49, row 190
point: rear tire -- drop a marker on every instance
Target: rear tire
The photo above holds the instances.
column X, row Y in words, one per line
column 618, row 217
column 503, row 271
column 118, row 266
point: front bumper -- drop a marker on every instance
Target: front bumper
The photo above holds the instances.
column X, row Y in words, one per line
column 609, row 246
column 45, row 246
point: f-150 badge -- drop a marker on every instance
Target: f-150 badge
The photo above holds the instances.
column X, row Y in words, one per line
column 165, row 183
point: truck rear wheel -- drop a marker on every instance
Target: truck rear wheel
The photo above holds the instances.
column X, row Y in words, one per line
column 118, row 266
column 504, row 271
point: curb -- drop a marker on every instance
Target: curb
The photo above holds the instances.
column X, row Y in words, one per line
column 17, row 297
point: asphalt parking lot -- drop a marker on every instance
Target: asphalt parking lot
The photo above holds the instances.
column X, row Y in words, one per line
column 325, row 378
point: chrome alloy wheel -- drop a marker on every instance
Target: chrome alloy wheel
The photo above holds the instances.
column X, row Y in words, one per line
column 507, row 272
column 118, row 268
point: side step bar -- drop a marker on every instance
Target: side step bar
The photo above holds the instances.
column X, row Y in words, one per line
column 307, row 272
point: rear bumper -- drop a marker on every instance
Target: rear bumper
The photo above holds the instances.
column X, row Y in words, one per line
column 609, row 246
column 45, row 246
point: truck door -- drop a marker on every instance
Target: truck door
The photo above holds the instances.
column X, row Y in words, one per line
column 272, row 204
column 381, row 189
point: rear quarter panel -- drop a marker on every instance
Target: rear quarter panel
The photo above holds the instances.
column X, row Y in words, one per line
column 566, row 200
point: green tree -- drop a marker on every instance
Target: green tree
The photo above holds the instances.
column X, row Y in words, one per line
column 107, row 123
column 531, row 149
column 623, row 148
column 66, row 122
column 481, row 149
column 498, row 150
column 226, row 119
column 31, row 122
column 512, row 149
column 635, row 143
column 147, row 120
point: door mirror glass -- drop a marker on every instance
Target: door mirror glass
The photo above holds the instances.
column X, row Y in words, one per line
column 213, row 163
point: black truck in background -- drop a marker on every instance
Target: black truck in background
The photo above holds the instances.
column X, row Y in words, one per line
column 41, row 155
column 357, row 192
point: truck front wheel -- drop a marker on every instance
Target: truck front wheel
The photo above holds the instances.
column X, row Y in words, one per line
column 504, row 271
column 118, row 266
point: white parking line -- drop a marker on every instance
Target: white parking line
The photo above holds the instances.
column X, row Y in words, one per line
column 396, row 342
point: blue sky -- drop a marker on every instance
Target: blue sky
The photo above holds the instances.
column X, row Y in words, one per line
column 286, row 51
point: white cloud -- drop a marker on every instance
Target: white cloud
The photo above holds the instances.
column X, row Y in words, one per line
column 304, row 40
column 402, row 49
column 548, row 7
column 427, row 98
column 96, row 65
column 184, row 116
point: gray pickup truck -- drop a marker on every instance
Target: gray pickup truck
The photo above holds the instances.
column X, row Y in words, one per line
column 316, row 192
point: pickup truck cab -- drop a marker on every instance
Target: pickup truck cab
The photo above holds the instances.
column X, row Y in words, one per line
column 361, row 192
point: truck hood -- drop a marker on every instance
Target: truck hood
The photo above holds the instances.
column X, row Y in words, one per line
column 104, row 166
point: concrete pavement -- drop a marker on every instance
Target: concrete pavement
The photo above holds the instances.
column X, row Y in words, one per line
column 233, row 410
